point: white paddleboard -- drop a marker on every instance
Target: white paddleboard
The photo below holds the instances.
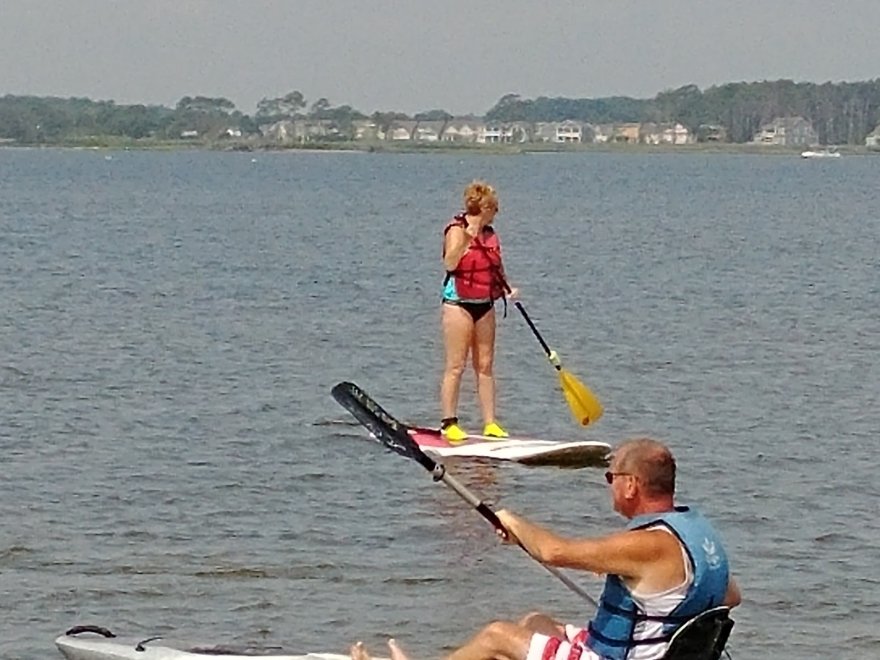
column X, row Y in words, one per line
column 531, row 451
column 95, row 647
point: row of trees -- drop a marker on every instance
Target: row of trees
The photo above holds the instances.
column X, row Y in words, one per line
column 842, row 113
column 40, row 120
column 46, row 120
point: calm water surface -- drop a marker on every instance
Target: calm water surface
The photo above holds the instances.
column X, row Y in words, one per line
column 171, row 324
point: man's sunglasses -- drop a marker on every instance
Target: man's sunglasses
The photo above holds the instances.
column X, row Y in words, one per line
column 609, row 476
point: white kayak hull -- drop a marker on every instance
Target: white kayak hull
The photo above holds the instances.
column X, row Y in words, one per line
column 95, row 647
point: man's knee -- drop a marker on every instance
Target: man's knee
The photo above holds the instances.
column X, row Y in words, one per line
column 532, row 619
column 496, row 627
column 504, row 637
column 541, row 623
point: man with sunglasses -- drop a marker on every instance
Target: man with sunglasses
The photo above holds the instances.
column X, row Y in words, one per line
column 668, row 566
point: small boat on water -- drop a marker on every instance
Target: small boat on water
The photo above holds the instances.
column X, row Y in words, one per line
column 704, row 636
column 820, row 153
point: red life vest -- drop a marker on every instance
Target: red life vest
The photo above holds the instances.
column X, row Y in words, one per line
column 480, row 273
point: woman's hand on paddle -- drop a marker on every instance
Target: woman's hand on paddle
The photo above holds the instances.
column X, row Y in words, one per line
column 513, row 293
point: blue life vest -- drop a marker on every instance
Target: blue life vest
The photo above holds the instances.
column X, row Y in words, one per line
column 611, row 630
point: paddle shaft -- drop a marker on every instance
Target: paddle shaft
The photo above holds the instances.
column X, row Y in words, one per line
column 490, row 515
column 532, row 326
column 534, row 329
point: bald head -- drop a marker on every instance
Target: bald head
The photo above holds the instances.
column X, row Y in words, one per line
column 651, row 461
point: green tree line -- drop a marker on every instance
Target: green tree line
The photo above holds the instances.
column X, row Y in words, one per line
column 841, row 113
column 41, row 120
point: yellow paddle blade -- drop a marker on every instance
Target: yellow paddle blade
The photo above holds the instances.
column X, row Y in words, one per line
column 583, row 403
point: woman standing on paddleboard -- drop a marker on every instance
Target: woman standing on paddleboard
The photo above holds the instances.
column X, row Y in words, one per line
column 474, row 281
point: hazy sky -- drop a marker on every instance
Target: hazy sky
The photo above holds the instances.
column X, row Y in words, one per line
column 412, row 55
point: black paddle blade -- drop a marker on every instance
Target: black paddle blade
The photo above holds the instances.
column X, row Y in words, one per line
column 384, row 428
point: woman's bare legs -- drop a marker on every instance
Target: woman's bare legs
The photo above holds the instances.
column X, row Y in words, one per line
column 458, row 332
column 483, row 356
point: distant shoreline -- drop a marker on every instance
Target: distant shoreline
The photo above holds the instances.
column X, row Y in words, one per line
column 432, row 148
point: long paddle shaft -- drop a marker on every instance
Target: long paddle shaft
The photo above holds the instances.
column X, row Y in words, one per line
column 554, row 359
column 394, row 435
column 583, row 403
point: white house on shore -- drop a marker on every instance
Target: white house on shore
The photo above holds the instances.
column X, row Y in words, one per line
column 564, row 132
column 515, row 132
column 651, row 133
column 787, row 132
column 463, row 131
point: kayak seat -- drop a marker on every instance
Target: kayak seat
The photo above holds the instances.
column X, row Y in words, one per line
column 98, row 630
column 703, row 637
